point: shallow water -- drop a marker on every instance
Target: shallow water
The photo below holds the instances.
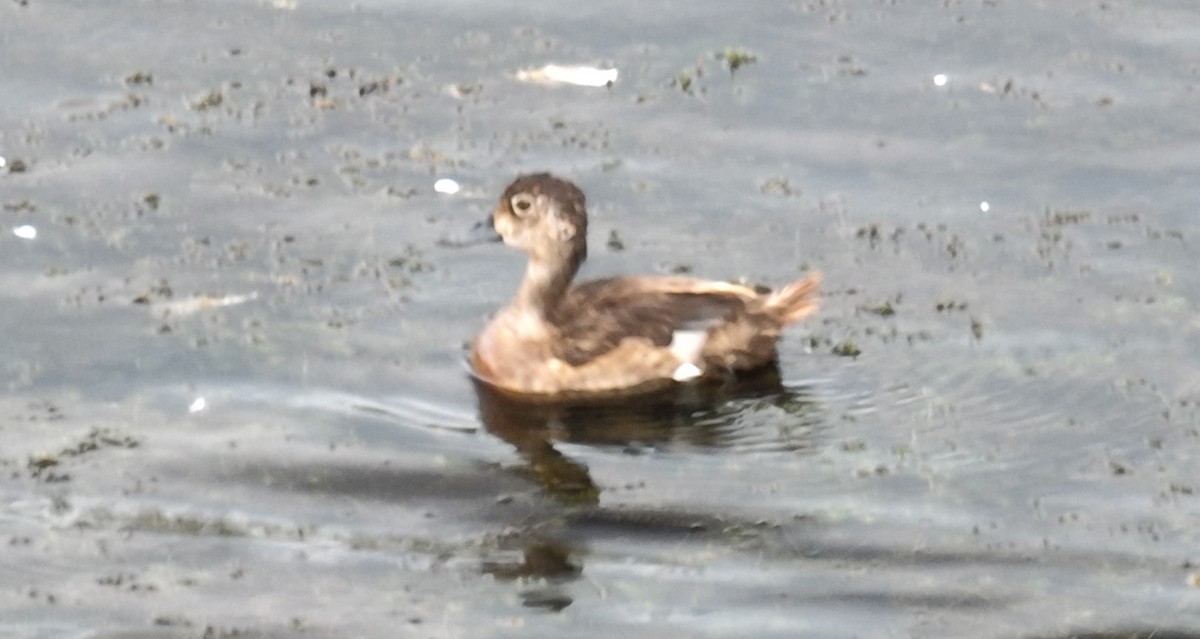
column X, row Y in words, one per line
column 1012, row 452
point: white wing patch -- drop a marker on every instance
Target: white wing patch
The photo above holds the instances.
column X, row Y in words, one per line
column 686, row 346
column 686, row 371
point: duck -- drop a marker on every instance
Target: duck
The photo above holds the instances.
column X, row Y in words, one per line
column 615, row 336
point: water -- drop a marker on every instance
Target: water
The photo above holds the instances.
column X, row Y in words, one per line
column 1011, row 453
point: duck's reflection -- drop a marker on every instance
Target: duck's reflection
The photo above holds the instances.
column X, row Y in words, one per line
column 708, row 416
column 540, row 559
column 689, row 413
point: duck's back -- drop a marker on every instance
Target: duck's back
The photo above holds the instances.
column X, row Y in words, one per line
column 597, row 315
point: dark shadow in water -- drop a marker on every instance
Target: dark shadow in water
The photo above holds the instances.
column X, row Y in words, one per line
column 540, row 558
column 542, row 561
column 690, row 414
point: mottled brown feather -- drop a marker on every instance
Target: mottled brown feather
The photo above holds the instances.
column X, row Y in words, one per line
column 595, row 316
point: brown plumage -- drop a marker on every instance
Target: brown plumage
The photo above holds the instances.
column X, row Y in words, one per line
column 621, row 334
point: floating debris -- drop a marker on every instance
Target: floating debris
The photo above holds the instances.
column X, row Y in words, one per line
column 446, row 186
column 25, row 232
column 777, row 186
column 984, row 206
column 684, row 81
column 940, row 80
column 583, row 76
column 462, row 91
column 736, row 58
column 3, row 162
column 847, row 349
column 883, row 310
column 180, row 308
column 210, row 100
column 614, row 241
column 197, row 405
column 139, row 78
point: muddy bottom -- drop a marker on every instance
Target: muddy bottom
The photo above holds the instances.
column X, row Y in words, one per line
column 235, row 307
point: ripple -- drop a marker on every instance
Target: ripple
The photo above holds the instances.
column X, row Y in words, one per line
column 754, row 418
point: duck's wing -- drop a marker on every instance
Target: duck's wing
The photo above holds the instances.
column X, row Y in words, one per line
column 596, row 316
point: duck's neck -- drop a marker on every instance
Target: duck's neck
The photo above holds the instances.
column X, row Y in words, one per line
column 545, row 284
column 543, row 288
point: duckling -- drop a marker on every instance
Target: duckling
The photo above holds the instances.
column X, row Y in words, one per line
column 617, row 335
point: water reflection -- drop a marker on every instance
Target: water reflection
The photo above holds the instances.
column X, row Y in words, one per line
column 693, row 418
column 548, row 562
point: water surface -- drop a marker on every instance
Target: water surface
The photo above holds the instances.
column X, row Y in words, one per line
column 1011, row 453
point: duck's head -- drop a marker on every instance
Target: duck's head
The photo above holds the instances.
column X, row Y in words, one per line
column 544, row 216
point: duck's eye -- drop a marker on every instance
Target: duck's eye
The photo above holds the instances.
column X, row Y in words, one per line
column 521, row 204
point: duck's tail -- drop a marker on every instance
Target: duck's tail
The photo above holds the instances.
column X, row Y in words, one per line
column 795, row 301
